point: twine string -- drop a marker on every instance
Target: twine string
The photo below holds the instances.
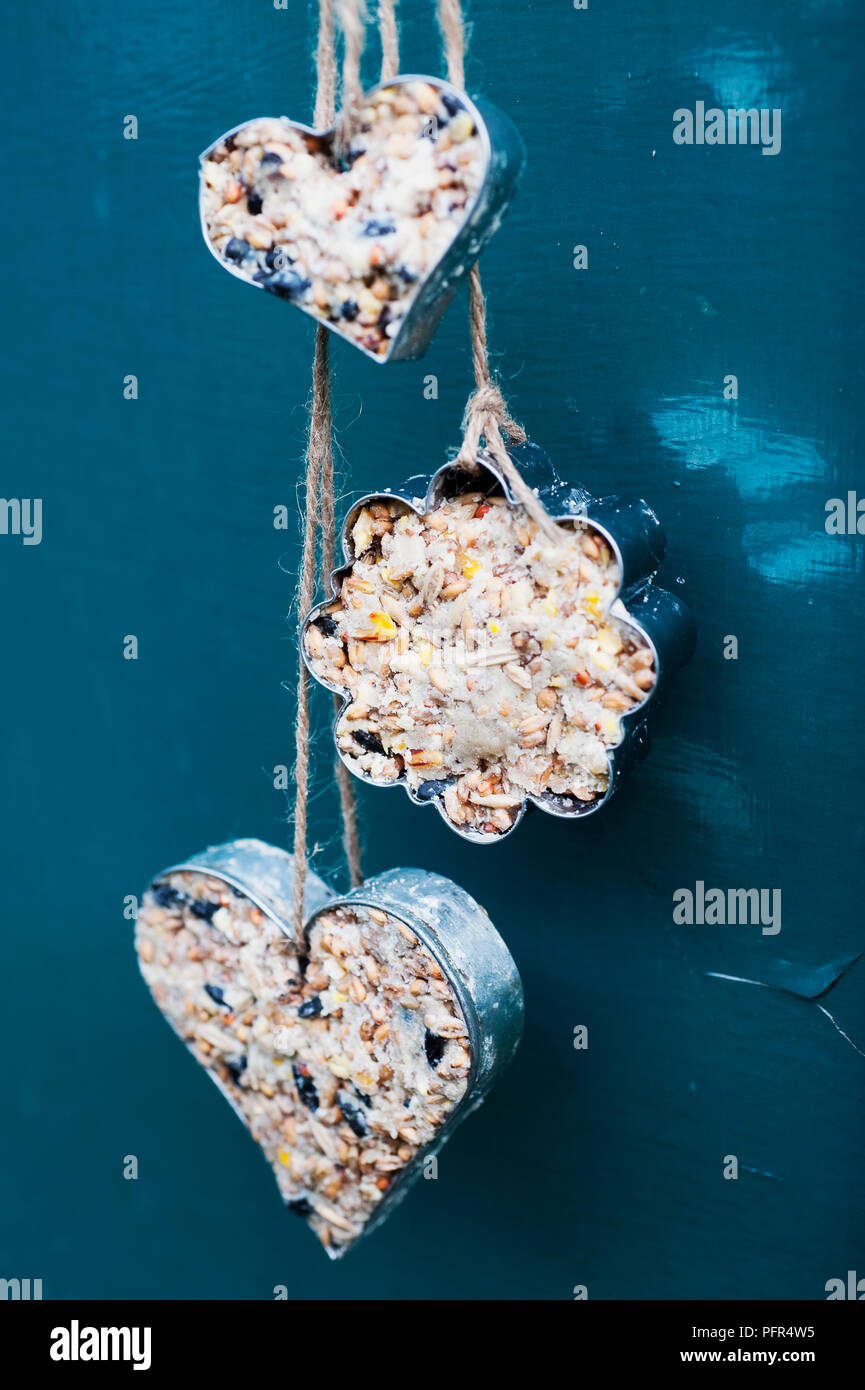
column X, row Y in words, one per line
column 319, row 492
column 319, row 449
column 325, row 67
column 453, row 33
column 352, row 21
column 389, row 39
column 345, row 786
column 486, row 414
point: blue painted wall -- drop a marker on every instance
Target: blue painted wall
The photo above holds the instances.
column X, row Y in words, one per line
column 603, row 1167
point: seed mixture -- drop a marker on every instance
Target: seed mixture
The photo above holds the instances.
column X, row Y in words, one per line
column 482, row 662
column 351, row 245
column 344, row 1065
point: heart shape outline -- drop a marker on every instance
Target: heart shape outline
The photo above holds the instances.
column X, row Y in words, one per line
column 504, row 155
column 637, row 540
column 447, row 921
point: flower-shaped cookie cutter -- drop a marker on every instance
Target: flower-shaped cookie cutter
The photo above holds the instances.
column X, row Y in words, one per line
column 455, row 930
column 637, row 541
column 504, row 155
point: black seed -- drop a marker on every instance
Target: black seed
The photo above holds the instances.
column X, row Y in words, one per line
column 203, row 908
column 428, row 791
column 434, row 1047
column 451, row 104
column 165, row 896
column 300, row 1206
column 375, row 228
column 305, row 1088
column 286, row 283
column 353, row 1116
column 236, row 1068
column 367, row 1100
column 349, row 309
column 310, row 1008
column 271, row 157
column 369, row 741
column 384, row 316
column 254, row 204
column 407, row 276
column 277, row 257
column 216, row 995
column 353, row 152
column 326, row 624
column 237, row 250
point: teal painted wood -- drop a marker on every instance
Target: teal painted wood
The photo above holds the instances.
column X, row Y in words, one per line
column 600, row 1167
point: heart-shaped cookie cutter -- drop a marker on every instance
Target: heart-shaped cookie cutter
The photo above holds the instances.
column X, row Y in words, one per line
column 504, row 155
column 455, row 930
column 637, row 540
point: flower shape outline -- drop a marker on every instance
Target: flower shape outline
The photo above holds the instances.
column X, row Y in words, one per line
column 636, row 539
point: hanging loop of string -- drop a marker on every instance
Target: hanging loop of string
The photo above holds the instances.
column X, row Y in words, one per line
column 486, row 414
column 319, row 495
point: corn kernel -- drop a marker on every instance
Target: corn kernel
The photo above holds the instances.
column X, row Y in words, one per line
column 469, row 567
column 361, row 532
column 383, row 624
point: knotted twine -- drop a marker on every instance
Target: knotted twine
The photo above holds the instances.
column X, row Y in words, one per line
column 486, row 414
